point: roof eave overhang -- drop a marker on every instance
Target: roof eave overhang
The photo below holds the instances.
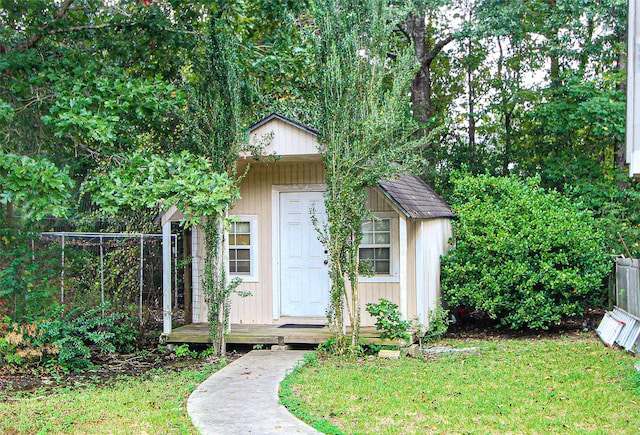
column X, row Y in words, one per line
column 394, row 202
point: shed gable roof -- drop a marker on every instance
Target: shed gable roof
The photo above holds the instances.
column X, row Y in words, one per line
column 286, row 120
column 285, row 138
column 415, row 199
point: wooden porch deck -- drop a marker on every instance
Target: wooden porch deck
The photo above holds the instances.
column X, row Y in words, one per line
column 265, row 334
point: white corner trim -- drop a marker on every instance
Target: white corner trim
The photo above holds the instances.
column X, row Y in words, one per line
column 421, row 286
column 275, row 251
column 403, row 266
column 166, row 278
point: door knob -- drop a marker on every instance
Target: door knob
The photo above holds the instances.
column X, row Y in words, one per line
column 326, row 261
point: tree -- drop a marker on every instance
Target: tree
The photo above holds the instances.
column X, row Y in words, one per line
column 364, row 134
column 424, row 29
column 215, row 127
column 30, row 189
column 82, row 83
column 203, row 181
column 37, row 187
column 524, row 255
column 146, row 181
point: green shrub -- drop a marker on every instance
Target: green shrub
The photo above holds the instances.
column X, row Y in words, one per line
column 438, row 324
column 524, row 255
column 183, row 351
column 67, row 340
column 79, row 333
column 21, row 345
column 327, row 347
column 388, row 320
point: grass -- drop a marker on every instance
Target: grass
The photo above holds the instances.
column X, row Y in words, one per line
column 153, row 404
column 510, row 386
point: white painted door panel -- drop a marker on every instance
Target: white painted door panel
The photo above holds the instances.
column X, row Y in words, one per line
column 304, row 278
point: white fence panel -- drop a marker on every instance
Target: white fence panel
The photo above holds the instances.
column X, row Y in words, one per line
column 628, row 285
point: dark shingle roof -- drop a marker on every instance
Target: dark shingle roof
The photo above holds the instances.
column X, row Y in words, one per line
column 415, row 198
column 286, row 120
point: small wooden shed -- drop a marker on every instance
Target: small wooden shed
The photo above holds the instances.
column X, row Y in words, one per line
column 273, row 246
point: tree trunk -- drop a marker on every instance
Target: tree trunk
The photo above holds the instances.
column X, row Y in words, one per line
column 415, row 30
column 216, row 287
column 421, row 84
column 10, row 215
column 620, row 151
column 471, row 128
column 552, row 36
column 355, row 294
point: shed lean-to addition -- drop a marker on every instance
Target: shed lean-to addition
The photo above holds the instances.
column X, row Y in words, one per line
column 273, row 245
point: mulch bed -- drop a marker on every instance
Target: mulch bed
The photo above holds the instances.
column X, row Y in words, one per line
column 108, row 368
column 481, row 327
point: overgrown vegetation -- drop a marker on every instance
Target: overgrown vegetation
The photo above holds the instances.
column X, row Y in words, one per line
column 362, row 109
column 524, row 255
column 437, row 326
column 216, row 130
column 509, row 386
column 389, row 320
column 78, row 98
column 67, row 341
column 27, row 275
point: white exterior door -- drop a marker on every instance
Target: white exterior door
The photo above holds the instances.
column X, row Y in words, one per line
column 304, row 277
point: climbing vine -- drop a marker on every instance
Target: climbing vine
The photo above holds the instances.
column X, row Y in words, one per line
column 365, row 135
column 215, row 131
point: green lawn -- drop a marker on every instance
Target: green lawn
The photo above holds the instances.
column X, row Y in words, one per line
column 510, row 386
column 153, row 404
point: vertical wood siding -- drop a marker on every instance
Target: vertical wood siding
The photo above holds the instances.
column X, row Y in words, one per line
column 197, row 299
column 373, row 292
column 255, row 192
column 376, row 201
column 286, row 139
column 436, row 234
column 256, row 199
column 413, row 226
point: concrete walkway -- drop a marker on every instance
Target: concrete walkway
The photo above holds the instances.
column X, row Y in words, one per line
column 242, row 398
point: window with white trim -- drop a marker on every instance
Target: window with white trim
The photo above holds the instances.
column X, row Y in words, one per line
column 375, row 247
column 242, row 248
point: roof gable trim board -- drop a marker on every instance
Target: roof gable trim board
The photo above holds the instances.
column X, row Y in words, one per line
column 286, row 120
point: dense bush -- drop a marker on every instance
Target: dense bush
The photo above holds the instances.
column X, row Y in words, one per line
column 524, row 255
column 67, row 340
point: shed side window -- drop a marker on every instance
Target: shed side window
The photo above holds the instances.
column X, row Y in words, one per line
column 240, row 248
column 375, row 248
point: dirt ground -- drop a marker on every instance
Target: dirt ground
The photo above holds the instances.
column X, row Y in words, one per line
column 107, row 367
column 479, row 327
column 111, row 366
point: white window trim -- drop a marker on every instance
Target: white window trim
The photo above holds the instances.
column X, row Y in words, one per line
column 394, row 267
column 253, row 247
